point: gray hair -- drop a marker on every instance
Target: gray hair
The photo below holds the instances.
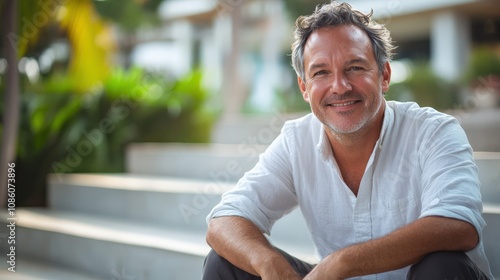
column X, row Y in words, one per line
column 336, row 14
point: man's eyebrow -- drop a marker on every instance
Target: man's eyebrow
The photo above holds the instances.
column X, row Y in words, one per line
column 316, row 66
column 357, row 60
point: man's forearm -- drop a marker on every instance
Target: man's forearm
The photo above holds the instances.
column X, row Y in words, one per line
column 242, row 243
column 398, row 249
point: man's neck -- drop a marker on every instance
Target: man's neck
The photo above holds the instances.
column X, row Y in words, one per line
column 352, row 151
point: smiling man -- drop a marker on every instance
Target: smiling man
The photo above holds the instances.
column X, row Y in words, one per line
column 389, row 190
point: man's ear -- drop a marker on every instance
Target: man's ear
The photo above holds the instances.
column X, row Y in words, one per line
column 386, row 77
column 303, row 90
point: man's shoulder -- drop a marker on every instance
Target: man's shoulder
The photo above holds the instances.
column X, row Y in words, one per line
column 412, row 112
column 424, row 125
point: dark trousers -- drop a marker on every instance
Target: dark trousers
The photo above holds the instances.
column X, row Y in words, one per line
column 435, row 266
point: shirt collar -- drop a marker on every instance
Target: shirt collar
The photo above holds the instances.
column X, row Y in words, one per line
column 323, row 145
column 386, row 124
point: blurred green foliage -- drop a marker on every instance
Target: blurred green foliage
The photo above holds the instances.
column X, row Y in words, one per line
column 129, row 14
column 426, row 88
column 296, row 8
column 80, row 116
column 483, row 63
column 62, row 132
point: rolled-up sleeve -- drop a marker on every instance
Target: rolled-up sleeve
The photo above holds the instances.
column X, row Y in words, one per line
column 265, row 193
column 450, row 183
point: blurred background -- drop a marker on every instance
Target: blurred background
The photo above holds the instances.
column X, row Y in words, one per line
column 133, row 93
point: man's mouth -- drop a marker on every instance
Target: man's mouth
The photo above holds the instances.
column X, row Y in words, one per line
column 342, row 104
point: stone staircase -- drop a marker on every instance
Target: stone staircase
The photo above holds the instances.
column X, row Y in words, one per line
column 150, row 222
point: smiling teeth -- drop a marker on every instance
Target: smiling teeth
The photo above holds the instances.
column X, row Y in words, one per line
column 343, row 104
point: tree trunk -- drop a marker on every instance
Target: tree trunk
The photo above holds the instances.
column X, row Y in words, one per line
column 11, row 95
column 233, row 92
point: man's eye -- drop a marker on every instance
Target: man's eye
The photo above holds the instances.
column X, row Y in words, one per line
column 321, row 72
column 355, row 68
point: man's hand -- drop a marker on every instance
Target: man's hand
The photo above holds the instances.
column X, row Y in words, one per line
column 398, row 249
column 275, row 269
column 242, row 243
column 329, row 268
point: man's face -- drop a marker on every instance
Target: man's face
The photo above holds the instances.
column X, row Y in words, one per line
column 342, row 83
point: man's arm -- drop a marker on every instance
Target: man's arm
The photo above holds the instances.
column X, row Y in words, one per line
column 403, row 247
column 242, row 243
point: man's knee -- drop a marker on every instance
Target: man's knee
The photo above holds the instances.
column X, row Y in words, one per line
column 216, row 267
column 445, row 265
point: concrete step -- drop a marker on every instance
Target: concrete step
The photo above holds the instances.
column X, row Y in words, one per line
column 35, row 270
column 170, row 202
column 106, row 248
column 216, row 162
column 491, row 233
column 251, row 129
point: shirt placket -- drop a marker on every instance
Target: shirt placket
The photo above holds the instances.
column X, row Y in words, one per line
column 362, row 213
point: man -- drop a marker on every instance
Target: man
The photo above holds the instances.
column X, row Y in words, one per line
column 388, row 190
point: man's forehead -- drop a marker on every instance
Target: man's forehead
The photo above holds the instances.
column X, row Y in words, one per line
column 341, row 33
column 348, row 39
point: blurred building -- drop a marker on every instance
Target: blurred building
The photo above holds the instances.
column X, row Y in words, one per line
column 443, row 31
column 242, row 44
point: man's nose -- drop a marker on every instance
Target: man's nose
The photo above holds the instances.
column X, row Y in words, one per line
column 340, row 84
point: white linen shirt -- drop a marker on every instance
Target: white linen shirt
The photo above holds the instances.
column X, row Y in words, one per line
column 422, row 165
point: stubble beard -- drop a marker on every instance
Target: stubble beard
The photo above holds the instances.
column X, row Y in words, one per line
column 354, row 131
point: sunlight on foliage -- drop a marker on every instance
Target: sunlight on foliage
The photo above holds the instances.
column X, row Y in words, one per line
column 91, row 41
